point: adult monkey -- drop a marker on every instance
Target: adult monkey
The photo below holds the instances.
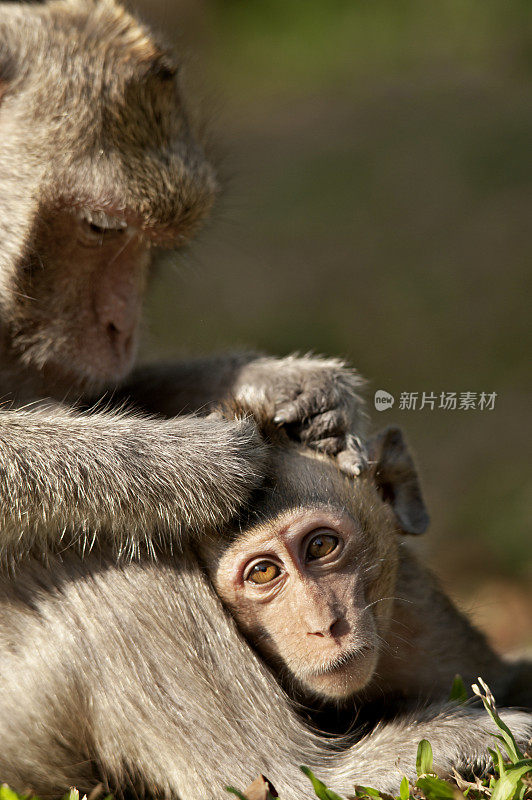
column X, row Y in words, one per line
column 100, row 165
column 134, row 674
column 85, row 157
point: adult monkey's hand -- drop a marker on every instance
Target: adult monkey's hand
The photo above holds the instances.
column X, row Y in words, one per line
column 316, row 399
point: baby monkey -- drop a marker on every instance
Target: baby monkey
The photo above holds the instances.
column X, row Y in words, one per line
column 136, row 676
column 322, row 582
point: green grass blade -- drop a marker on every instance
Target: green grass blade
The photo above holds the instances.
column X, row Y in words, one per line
column 505, row 735
column 509, row 784
column 320, row 790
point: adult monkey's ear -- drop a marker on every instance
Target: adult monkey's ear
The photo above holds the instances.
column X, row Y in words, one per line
column 396, row 479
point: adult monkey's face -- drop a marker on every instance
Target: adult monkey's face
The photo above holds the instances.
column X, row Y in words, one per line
column 99, row 165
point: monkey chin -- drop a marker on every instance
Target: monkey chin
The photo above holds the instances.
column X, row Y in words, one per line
column 106, row 366
column 72, row 367
column 344, row 677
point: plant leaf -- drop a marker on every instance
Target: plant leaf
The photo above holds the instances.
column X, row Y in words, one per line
column 424, row 758
column 320, row 789
column 458, row 691
column 404, row 789
column 232, row 790
column 505, row 736
column 260, row 789
column 498, row 761
column 367, row 791
column 435, row 789
column 7, row 794
column 509, row 784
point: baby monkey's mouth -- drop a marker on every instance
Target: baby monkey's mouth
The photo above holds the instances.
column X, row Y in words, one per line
column 344, row 675
column 347, row 660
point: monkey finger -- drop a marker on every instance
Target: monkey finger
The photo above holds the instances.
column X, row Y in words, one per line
column 319, row 401
column 323, row 426
column 330, row 445
column 351, row 461
column 307, row 404
column 216, row 413
column 289, row 413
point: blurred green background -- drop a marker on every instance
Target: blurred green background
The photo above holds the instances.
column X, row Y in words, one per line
column 378, row 205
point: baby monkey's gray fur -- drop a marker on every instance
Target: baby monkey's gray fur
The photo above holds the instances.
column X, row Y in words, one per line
column 101, row 165
column 134, row 675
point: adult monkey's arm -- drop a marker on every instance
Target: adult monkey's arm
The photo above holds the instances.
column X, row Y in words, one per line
column 70, row 478
column 139, row 482
column 317, row 399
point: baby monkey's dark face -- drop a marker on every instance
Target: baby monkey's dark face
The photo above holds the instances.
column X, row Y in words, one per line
column 311, row 583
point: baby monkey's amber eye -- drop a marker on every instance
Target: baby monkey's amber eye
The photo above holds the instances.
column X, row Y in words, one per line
column 321, row 545
column 263, row 572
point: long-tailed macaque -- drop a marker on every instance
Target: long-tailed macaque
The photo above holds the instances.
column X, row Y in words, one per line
column 100, row 166
column 134, row 675
column 332, row 556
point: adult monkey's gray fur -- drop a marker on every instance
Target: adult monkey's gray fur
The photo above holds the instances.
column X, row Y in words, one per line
column 134, row 675
column 99, row 165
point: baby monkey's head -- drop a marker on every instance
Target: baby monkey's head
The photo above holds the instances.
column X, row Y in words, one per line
column 310, row 573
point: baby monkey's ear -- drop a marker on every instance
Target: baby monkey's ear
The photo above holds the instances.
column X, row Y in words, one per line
column 396, row 478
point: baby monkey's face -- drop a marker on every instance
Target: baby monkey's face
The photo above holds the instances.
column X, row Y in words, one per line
column 310, row 585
